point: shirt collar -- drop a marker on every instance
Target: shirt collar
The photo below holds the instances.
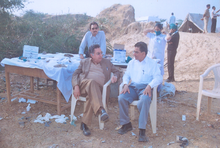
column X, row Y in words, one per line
column 93, row 36
column 145, row 60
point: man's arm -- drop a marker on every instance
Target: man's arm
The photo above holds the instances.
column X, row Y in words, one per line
column 83, row 46
column 76, row 81
column 103, row 44
column 116, row 73
column 126, row 79
column 157, row 77
column 148, row 30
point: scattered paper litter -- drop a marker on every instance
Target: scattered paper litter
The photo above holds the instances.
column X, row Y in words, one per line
column 31, row 101
column 28, row 107
column 23, row 113
column 13, row 99
column 47, row 117
column 133, row 134
column 22, row 100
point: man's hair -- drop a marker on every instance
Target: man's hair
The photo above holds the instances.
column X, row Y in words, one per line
column 142, row 46
column 208, row 5
column 92, row 48
column 213, row 7
column 159, row 25
column 172, row 13
column 93, row 23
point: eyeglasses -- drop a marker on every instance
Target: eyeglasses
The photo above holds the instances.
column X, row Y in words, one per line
column 94, row 28
column 136, row 52
column 98, row 53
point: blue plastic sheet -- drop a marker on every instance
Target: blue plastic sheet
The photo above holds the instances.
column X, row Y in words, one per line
column 167, row 91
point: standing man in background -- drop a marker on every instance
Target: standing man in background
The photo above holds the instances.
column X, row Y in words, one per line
column 206, row 17
column 172, row 19
column 214, row 19
column 92, row 37
column 173, row 42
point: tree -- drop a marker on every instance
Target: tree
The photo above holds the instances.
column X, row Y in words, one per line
column 7, row 6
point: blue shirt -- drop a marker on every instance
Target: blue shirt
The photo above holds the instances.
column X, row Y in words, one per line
column 144, row 72
column 89, row 40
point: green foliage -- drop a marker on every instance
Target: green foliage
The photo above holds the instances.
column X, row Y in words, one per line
column 10, row 5
column 162, row 20
column 50, row 33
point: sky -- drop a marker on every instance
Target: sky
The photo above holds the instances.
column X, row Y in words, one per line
column 160, row 8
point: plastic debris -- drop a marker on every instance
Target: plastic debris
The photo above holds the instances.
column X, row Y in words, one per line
column 121, row 141
column 218, row 113
column 150, row 147
column 28, row 107
column 117, row 128
column 81, row 115
column 171, row 143
column 1, row 118
column 73, row 123
column 31, row 101
column 183, row 140
column 183, row 117
column 47, row 117
column 103, row 141
column 13, row 99
column 23, row 113
column 47, row 124
column 167, row 90
column 22, row 100
column 133, row 134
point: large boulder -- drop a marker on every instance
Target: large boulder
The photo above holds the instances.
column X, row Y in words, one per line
column 115, row 18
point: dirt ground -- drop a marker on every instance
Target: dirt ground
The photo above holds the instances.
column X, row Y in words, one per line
column 201, row 134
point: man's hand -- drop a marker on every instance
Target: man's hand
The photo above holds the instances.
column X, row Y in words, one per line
column 76, row 92
column 114, row 79
column 81, row 56
column 125, row 89
column 147, row 31
column 147, row 91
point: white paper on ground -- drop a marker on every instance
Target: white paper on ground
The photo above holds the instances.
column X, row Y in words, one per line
column 31, row 101
column 28, row 107
column 22, row 100
column 13, row 99
column 47, row 117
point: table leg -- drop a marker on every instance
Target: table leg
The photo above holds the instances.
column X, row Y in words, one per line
column 58, row 101
column 8, row 89
column 32, row 84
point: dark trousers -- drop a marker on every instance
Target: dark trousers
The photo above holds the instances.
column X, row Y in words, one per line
column 213, row 25
column 170, row 61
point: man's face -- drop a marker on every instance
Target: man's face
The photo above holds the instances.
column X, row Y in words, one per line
column 138, row 54
column 208, row 7
column 156, row 28
column 97, row 56
column 94, row 29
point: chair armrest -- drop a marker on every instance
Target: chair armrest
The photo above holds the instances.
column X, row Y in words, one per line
column 104, row 92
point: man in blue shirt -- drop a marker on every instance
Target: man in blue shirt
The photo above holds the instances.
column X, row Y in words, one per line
column 92, row 37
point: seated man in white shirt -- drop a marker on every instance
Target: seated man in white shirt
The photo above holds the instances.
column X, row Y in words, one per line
column 92, row 37
column 144, row 74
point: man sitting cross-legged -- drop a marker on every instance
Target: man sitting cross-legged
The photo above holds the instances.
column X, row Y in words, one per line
column 88, row 81
column 144, row 74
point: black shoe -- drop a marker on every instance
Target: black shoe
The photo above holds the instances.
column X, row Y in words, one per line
column 125, row 128
column 85, row 129
column 104, row 115
column 170, row 80
column 142, row 136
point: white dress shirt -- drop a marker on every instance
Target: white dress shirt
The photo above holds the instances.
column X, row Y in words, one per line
column 214, row 14
column 89, row 40
column 144, row 72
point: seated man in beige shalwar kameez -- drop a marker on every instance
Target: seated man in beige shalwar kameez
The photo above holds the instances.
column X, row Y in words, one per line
column 88, row 81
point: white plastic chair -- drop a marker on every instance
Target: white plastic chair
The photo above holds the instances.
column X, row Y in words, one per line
column 104, row 93
column 153, row 109
column 215, row 93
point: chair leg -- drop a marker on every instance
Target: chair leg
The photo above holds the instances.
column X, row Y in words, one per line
column 198, row 106
column 132, row 112
column 209, row 104
column 73, row 105
column 101, row 124
column 153, row 115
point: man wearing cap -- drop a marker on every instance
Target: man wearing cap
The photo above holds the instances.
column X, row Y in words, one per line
column 206, row 17
column 92, row 37
column 173, row 42
column 157, row 45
